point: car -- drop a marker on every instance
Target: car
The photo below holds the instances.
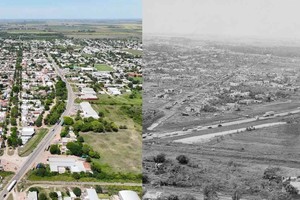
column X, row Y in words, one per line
column 220, row 125
column 209, row 127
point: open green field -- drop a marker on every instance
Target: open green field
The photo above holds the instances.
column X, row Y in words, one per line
column 134, row 52
column 124, row 99
column 103, row 67
column 122, row 151
column 32, row 143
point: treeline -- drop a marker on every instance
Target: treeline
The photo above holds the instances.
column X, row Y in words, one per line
column 13, row 140
column 60, row 106
column 96, row 125
column 32, row 36
column 44, row 171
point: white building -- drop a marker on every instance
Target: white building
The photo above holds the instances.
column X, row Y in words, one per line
column 128, row 195
column 88, row 111
column 26, row 134
column 91, row 194
column 59, row 164
column 113, row 91
column 32, row 195
column 88, row 93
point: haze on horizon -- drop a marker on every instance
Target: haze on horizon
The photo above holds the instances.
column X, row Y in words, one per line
column 272, row 19
column 70, row 9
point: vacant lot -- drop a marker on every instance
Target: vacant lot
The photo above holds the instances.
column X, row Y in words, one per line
column 122, row 151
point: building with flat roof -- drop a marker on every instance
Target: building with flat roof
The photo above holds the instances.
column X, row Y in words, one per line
column 60, row 164
column 91, row 194
column 113, row 91
column 128, row 195
column 26, row 134
column 32, row 196
column 88, row 111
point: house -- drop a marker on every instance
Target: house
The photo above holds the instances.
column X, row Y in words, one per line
column 88, row 111
column 32, row 195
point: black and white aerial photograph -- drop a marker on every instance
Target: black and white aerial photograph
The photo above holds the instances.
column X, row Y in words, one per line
column 221, row 99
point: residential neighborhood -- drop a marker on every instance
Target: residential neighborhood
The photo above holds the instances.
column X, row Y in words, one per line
column 66, row 106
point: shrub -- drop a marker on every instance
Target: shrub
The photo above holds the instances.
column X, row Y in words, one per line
column 182, row 159
column 98, row 189
column 160, row 158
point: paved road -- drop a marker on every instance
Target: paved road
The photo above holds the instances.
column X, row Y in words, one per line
column 236, row 122
column 47, row 139
column 208, row 137
column 66, row 183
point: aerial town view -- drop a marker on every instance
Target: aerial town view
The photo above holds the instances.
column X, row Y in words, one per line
column 70, row 109
column 221, row 114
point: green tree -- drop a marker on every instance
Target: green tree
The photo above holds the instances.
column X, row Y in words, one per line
column 77, row 191
column 98, row 189
column 74, row 148
column 54, row 149
column 43, row 196
column 76, row 175
column 39, row 121
column 53, row 195
column 68, row 120
column 97, row 126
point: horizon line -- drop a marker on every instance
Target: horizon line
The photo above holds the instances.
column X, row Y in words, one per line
column 71, row 19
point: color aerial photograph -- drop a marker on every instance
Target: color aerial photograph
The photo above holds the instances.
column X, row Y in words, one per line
column 221, row 109
column 71, row 100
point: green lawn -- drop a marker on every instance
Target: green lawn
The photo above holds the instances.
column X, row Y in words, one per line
column 103, row 67
column 134, row 52
column 105, row 99
column 32, row 143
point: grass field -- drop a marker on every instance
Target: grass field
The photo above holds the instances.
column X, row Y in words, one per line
column 134, row 52
column 103, row 67
column 105, row 99
column 32, row 143
column 122, row 151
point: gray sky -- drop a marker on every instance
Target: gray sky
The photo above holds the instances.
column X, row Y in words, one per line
column 258, row 18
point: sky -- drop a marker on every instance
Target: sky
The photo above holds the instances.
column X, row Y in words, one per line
column 70, row 9
column 237, row 18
